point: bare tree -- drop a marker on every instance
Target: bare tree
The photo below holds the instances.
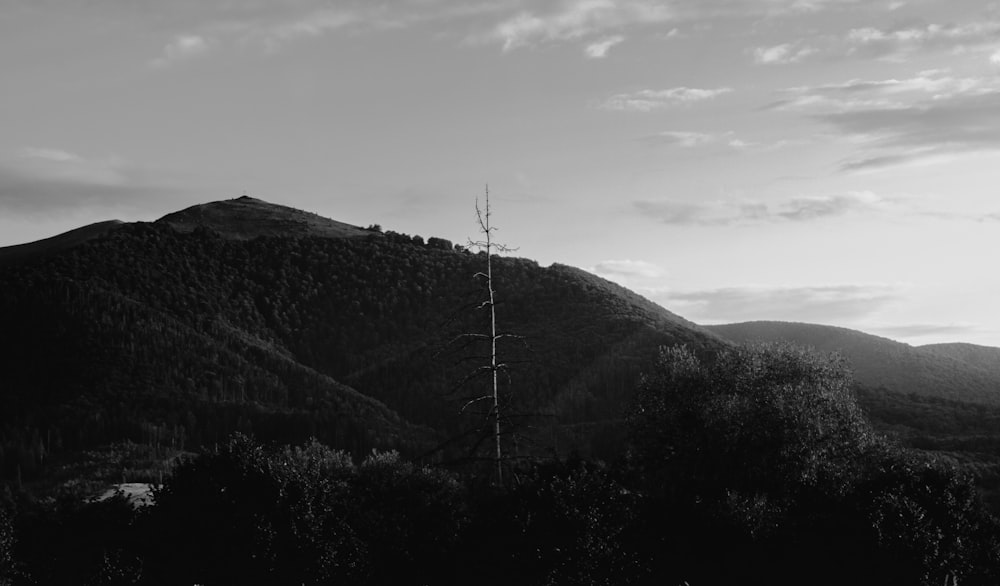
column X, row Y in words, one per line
column 495, row 365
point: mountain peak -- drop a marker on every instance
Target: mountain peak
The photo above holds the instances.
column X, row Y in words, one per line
column 245, row 218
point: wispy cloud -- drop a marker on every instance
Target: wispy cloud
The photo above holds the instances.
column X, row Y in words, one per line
column 681, row 138
column 861, row 94
column 649, row 99
column 272, row 26
column 181, row 48
column 690, row 139
column 728, row 213
column 628, row 268
column 600, row 49
column 922, row 330
column 311, row 25
column 897, row 44
column 924, row 118
column 782, row 54
column 47, row 154
column 937, row 129
column 814, row 304
column 41, row 180
column 577, row 19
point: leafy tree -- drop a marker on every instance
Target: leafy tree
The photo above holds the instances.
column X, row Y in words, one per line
column 771, row 419
column 762, row 459
column 562, row 523
column 250, row 513
column 6, row 548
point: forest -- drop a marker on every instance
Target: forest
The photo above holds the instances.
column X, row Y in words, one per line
column 754, row 466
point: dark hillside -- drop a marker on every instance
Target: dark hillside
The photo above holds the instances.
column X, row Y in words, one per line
column 154, row 334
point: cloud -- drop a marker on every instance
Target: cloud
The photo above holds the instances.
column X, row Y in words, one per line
column 181, row 48
column 577, row 19
column 897, row 44
column 274, row 25
column 860, row 94
column 689, row 139
column 600, row 49
column 649, row 100
column 43, row 180
column 813, row 304
column 894, row 44
column 728, row 213
column 781, row 54
column 46, row 154
column 311, row 25
column 627, row 268
column 930, row 117
column 681, row 138
column 935, row 129
column 921, row 330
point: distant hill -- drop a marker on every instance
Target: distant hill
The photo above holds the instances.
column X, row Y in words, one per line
column 19, row 253
column 247, row 316
column 984, row 357
column 245, row 217
column 883, row 363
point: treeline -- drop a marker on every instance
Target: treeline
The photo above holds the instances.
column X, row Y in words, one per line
column 754, row 467
column 346, row 339
column 966, row 434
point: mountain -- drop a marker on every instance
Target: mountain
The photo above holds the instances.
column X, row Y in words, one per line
column 242, row 315
column 883, row 363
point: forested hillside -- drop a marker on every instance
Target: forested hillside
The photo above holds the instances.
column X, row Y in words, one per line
column 882, row 363
column 984, row 357
column 943, row 399
column 151, row 334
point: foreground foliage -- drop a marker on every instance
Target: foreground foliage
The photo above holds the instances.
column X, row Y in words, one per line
column 754, row 467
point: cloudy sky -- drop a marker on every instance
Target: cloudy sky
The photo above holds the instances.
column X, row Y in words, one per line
column 828, row 161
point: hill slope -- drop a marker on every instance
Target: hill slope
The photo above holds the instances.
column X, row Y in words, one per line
column 984, row 357
column 880, row 362
column 208, row 322
column 40, row 248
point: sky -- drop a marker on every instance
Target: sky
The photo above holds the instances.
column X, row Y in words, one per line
column 823, row 161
